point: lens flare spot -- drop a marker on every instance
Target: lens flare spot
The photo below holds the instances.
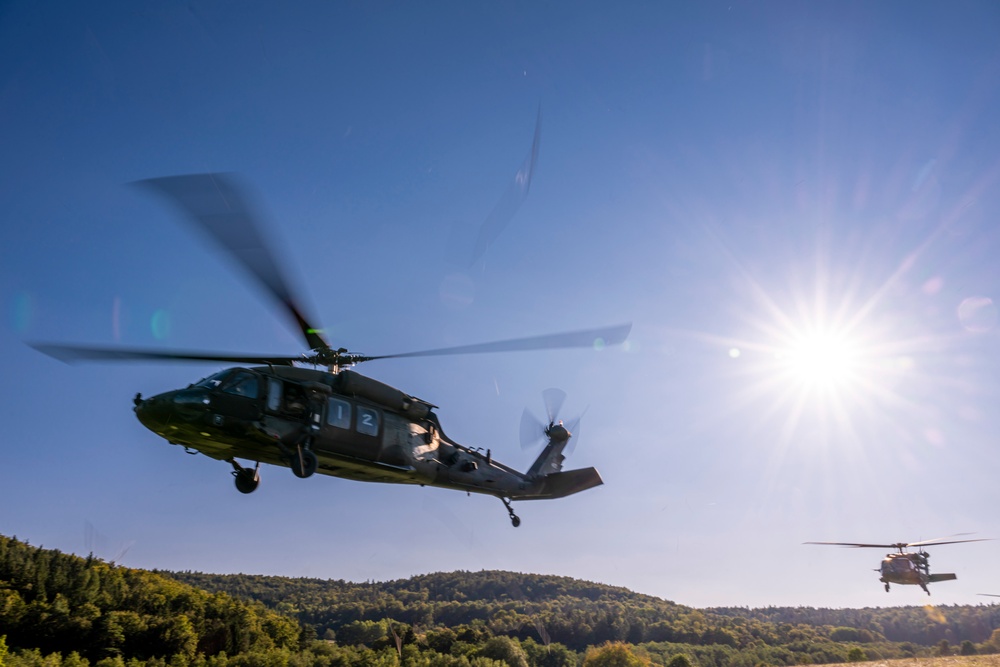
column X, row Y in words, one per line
column 935, row 437
column 23, row 312
column 978, row 314
column 116, row 318
column 734, row 353
column 933, row 286
column 934, row 614
column 159, row 324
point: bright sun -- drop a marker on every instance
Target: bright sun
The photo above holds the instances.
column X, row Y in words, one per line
column 821, row 359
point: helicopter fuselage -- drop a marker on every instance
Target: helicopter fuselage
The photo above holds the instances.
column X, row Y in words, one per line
column 909, row 569
column 340, row 424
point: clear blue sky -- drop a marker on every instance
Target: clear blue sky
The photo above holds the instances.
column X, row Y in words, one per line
column 749, row 183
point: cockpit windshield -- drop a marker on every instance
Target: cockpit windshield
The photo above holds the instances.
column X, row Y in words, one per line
column 215, row 380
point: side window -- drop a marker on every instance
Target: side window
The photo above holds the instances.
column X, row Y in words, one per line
column 339, row 413
column 367, row 421
column 244, row 384
column 273, row 394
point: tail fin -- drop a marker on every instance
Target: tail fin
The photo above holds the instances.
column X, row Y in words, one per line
column 547, row 470
column 550, row 460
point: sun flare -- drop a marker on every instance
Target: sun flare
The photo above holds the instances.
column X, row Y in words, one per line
column 825, row 359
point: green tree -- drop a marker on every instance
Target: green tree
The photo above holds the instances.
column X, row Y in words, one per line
column 367, row 633
column 3, row 649
column 506, row 649
column 943, row 648
column 967, row 648
column 856, row 654
column 994, row 641
column 679, row 660
column 613, row 654
column 552, row 655
column 440, row 639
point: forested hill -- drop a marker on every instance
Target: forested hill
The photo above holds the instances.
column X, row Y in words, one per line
column 919, row 625
column 61, row 610
column 580, row 614
column 65, row 604
column 544, row 607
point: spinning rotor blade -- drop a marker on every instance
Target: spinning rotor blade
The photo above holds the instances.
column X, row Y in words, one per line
column 574, row 428
column 73, row 353
column 930, row 543
column 532, row 430
column 325, row 356
column 899, row 545
column 511, row 200
column 854, row 544
column 596, row 338
column 554, row 399
column 220, row 208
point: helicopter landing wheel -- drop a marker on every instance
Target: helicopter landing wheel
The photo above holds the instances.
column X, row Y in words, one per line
column 304, row 463
column 247, row 479
column 515, row 520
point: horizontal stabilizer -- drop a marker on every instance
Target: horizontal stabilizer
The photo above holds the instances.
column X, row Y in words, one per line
column 568, row 482
column 942, row 577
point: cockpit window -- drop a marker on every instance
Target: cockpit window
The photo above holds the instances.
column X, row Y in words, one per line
column 213, row 381
column 243, row 384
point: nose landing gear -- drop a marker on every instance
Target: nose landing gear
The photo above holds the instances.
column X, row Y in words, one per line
column 247, row 480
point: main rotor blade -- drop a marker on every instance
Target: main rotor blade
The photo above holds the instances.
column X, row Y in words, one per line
column 854, row 544
column 898, row 545
column 512, row 198
column 73, row 353
column 930, row 543
column 595, row 338
column 220, row 208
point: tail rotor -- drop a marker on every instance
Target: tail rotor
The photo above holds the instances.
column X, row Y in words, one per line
column 556, row 435
column 534, row 431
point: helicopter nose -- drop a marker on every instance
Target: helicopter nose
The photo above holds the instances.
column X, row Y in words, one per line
column 171, row 409
column 153, row 412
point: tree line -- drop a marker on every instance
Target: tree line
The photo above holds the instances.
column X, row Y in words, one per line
column 58, row 609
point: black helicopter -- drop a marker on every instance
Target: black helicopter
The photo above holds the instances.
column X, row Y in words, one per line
column 309, row 413
column 904, row 567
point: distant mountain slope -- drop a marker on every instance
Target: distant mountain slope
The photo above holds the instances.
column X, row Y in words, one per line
column 919, row 625
column 55, row 606
column 573, row 612
column 62, row 603
column 580, row 613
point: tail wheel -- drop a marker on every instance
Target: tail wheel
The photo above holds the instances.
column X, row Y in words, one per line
column 515, row 520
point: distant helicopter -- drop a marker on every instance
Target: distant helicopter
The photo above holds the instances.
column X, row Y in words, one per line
column 908, row 568
column 328, row 420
